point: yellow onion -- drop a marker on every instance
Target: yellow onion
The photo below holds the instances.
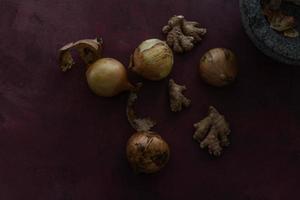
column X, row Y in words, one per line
column 147, row 152
column 107, row 77
column 218, row 67
column 153, row 59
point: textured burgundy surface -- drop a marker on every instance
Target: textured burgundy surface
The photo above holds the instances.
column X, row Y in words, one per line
column 58, row 141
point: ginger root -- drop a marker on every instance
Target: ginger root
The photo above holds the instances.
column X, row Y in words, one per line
column 139, row 124
column 177, row 99
column 89, row 51
column 212, row 132
column 182, row 35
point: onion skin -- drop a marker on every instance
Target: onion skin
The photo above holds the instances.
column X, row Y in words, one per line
column 147, row 152
column 107, row 77
column 153, row 59
column 218, row 67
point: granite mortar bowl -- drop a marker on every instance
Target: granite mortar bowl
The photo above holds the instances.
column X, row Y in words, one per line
column 270, row 42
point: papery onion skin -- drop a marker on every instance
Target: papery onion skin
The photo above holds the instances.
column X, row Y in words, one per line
column 147, row 152
column 107, row 77
column 218, row 67
column 153, row 59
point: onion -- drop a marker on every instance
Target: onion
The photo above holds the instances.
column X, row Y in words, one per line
column 218, row 67
column 153, row 59
column 107, row 77
column 147, row 152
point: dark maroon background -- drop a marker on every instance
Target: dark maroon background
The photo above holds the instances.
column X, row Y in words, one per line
column 58, row 141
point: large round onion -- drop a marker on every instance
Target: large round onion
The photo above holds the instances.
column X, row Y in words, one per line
column 107, row 77
column 147, row 152
column 218, row 67
column 153, row 59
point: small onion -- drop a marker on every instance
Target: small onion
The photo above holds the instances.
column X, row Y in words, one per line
column 107, row 77
column 153, row 59
column 218, row 67
column 147, row 152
